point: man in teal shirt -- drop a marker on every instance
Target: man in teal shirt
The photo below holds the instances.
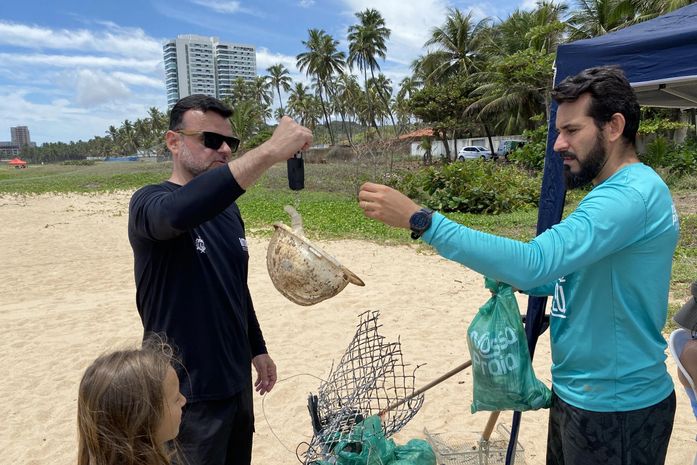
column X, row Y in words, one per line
column 608, row 267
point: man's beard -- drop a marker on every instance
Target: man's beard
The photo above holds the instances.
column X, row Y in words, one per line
column 589, row 168
column 190, row 163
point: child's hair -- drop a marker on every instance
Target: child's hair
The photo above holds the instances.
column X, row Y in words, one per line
column 120, row 405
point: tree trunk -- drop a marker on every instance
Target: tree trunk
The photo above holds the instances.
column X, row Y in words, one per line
column 443, row 136
column 280, row 102
column 488, row 136
column 387, row 105
column 326, row 116
column 370, row 103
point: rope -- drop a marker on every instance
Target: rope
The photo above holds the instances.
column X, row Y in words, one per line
column 263, row 410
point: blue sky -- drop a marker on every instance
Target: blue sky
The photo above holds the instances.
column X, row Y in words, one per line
column 71, row 68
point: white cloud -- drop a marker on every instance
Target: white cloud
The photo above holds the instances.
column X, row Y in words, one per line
column 220, row 6
column 139, row 80
column 72, row 84
column 94, row 88
column 306, row 3
column 72, row 61
column 60, row 120
column 410, row 24
column 115, row 40
column 266, row 58
column 529, row 4
column 226, row 7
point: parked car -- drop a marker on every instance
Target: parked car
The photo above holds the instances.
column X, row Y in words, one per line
column 473, row 152
column 507, row 146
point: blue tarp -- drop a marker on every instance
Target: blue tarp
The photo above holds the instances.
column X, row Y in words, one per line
column 659, row 49
column 659, row 57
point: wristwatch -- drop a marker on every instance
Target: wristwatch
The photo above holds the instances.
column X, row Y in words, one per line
column 420, row 222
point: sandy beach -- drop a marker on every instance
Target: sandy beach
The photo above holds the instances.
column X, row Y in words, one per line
column 68, row 295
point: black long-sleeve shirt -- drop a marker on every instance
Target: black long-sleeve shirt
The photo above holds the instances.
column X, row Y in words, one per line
column 191, row 268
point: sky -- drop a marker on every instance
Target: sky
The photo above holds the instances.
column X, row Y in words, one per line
column 71, row 68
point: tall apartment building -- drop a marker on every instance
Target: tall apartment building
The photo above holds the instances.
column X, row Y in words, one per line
column 20, row 136
column 204, row 65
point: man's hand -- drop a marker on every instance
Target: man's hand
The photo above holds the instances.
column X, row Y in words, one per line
column 387, row 205
column 266, row 373
column 288, row 139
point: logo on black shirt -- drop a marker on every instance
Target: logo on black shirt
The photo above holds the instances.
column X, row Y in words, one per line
column 200, row 245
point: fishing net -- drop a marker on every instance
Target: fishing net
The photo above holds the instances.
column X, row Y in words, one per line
column 370, row 379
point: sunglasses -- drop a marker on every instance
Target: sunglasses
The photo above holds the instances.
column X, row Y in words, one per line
column 213, row 140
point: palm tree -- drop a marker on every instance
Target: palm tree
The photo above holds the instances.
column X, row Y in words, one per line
column 279, row 78
column 348, row 96
column 239, row 91
column 245, row 119
column 514, row 91
column 322, row 60
column 541, row 28
column 259, row 91
column 649, row 9
column 366, row 42
column 407, row 87
column 594, row 18
column 382, row 86
column 514, row 85
column 459, row 43
column 300, row 104
column 128, row 137
column 158, row 121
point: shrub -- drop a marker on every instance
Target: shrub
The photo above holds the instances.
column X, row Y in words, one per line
column 474, row 186
column 79, row 162
column 531, row 156
column 257, row 139
column 682, row 161
column 656, row 154
column 340, row 153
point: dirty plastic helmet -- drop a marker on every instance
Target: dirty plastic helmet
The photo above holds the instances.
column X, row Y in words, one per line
column 301, row 271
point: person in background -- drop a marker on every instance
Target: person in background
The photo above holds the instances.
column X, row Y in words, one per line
column 129, row 408
column 608, row 266
column 191, row 266
column 683, row 348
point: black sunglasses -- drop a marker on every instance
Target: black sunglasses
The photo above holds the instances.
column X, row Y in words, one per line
column 213, row 140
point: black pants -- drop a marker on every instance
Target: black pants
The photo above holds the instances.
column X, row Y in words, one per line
column 636, row 437
column 217, row 432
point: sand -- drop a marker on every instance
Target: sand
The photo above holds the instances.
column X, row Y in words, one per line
column 67, row 295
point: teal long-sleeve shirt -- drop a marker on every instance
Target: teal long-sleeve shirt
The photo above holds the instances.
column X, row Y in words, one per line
column 608, row 267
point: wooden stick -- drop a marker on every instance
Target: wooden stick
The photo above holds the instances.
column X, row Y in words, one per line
column 449, row 374
column 493, row 416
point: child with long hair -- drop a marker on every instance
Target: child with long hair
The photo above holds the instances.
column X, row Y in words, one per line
column 129, row 407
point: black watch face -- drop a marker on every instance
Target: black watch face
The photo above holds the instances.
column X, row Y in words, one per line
column 420, row 221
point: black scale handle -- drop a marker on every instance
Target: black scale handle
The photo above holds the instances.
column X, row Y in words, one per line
column 296, row 172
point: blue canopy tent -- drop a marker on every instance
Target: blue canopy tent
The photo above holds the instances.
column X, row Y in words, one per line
column 659, row 57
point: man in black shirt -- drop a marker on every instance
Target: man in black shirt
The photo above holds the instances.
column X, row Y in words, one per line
column 191, row 268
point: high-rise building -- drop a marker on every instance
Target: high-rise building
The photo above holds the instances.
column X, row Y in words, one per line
column 20, row 136
column 204, row 65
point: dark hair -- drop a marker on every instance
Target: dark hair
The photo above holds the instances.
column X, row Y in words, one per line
column 610, row 93
column 196, row 102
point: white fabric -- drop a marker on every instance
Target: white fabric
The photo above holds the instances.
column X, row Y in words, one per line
column 676, row 343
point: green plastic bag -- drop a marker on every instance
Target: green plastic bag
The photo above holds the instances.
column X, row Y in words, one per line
column 501, row 366
column 367, row 445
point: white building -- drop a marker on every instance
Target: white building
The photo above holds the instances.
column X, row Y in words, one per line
column 204, row 65
column 20, row 136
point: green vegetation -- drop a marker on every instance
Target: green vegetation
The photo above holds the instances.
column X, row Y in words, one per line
column 328, row 203
column 475, row 186
column 100, row 177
